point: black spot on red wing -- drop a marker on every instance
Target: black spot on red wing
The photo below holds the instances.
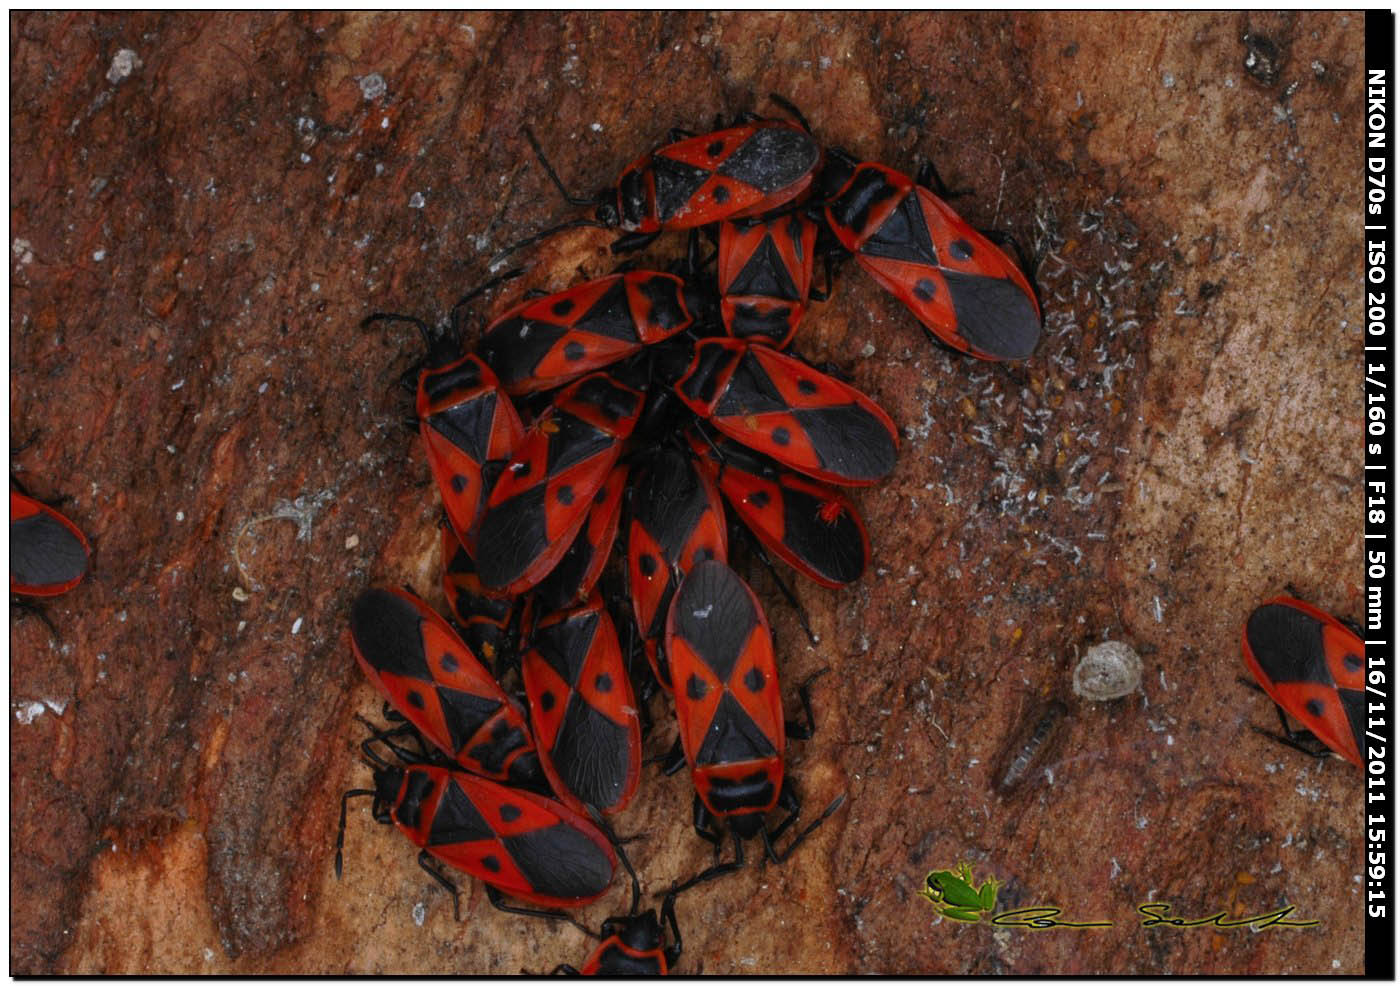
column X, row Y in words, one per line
column 415, row 699
column 459, row 483
column 591, row 754
column 754, row 680
column 521, row 469
column 676, row 183
column 491, row 863
column 465, row 713
column 720, row 193
column 806, row 386
column 610, row 315
column 750, row 391
column 701, row 554
column 514, row 348
column 43, row 552
column 781, row 436
column 1287, row 643
column 562, row 307
column 574, row 351
column 388, row 631
column 547, row 701
column 834, row 550
column 765, row 275
column 448, row 663
column 960, row 250
column 903, row 236
column 512, row 536
column 603, row 683
column 733, row 736
column 647, row 563
column 666, row 307
column 565, row 495
column 849, row 441
column 925, row 289
column 457, row 819
column 565, row 645
column 868, row 189
column 714, row 148
column 994, row 314
column 715, row 615
column 560, row 861
column 759, row 499
column 695, row 688
column 575, row 441
column 468, row 425
column 509, row 812
column 772, row 158
column 1352, row 662
column 1313, row 707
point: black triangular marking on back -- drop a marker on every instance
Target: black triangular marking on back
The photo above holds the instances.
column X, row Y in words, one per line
column 772, row 159
column 513, row 534
column 574, row 441
column 44, row 552
column 750, row 391
column 610, row 315
column 676, row 182
column 591, row 754
column 560, row 861
column 835, row 550
column 1287, row 643
column 849, row 440
column 669, row 501
column 468, row 425
column 666, row 308
column 464, row 713
column 466, row 375
column 715, row 616
column 765, row 274
column 903, row 236
column 869, row 187
column 1354, row 703
column 457, row 819
column 774, row 324
column 388, row 630
column 493, row 753
column 514, row 348
column 565, row 645
column 994, row 314
column 733, row 736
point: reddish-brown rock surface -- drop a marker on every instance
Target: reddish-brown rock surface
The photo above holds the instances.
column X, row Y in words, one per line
column 204, row 207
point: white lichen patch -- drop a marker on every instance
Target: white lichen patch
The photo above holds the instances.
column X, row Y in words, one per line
column 1107, row 671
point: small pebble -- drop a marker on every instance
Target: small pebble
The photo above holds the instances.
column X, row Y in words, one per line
column 1109, row 670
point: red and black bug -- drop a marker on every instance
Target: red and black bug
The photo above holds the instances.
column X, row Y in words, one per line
column 634, row 944
column 963, row 288
column 676, row 521
column 730, row 711
column 546, row 342
column 811, row 525
column 435, row 681
column 573, row 579
column 48, row 554
column 516, row 842
column 1314, row 668
column 468, row 424
column 485, row 620
column 765, row 276
column 790, row 411
column 545, row 492
column 582, row 708
column 744, row 170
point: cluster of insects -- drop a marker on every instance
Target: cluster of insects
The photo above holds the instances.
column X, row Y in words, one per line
column 633, row 408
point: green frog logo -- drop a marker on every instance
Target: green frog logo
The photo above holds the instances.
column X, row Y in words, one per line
column 953, row 894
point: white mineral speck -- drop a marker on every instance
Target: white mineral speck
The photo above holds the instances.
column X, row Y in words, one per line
column 123, row 64
column 373, row 86
column 27, row 712
column 419, row 913
column 416, row 200
column 296, row 626
column 99, row 255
